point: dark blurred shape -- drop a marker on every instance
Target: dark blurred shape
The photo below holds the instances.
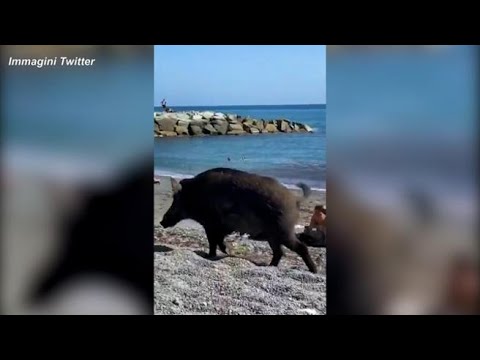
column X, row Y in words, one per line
column 313, row 238
column 402, row 182
column 108, row 240
column 76, row 179
column 422, row 206
column 462, row 292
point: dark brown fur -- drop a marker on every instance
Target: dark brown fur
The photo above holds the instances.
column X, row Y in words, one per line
column 225, row 200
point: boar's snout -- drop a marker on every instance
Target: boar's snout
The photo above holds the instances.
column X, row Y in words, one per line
column 167, row 221
column 174, row 215
column 176, row 212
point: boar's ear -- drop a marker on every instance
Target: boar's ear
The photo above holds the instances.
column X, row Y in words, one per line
column 176, row 187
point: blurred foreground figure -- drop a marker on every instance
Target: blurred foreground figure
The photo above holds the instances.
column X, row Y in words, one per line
column 76, row 178
column 379, row 263
column 402, row 184
column 462, row 292
column 77, row 251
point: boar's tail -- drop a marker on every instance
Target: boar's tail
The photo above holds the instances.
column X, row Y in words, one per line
column 306, row 192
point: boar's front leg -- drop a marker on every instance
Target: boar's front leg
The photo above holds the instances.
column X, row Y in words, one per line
column 215, row 237
column 222, row 247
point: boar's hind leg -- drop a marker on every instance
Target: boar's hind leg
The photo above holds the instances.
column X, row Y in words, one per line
column 277, row 252
column 295, row 245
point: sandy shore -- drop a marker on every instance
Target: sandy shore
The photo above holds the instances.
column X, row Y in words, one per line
column 188, row 283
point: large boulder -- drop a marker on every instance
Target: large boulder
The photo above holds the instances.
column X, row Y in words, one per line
column 207, row 115
column 166, row 124
column 182, row 116
column 209, row 129
column 167, row 133
column 161, row 115
column 295, row 127
column 232, row 117
column 218, row 121
column 195, row 130
column 259, row 124
column 253, row 130
column 235, row 132
column 235, row 127
column 181, row 130
column 183, row 123
column 305, row 127
column 271, row 128
column 221, row 128
column 283, row 126
column 247, row 127
column 200, row 123
column 197, row 117
column 157, row 114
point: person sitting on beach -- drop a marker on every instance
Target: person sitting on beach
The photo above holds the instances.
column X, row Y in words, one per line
column 315, row 234
column 319, row 219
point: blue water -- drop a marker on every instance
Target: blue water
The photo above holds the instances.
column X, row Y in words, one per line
column 290, row 157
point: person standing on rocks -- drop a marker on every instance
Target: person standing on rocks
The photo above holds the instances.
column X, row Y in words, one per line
column 164, row 106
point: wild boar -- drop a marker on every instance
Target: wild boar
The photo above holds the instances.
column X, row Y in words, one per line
column 226, row 200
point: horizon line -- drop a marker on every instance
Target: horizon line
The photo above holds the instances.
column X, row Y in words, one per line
column 159, row 105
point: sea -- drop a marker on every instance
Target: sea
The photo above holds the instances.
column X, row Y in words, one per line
column 289, row 157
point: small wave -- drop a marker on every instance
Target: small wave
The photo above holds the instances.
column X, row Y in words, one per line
column 291, row 186
column 172, row 174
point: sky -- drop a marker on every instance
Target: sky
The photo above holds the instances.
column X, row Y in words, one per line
column 205, row 75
